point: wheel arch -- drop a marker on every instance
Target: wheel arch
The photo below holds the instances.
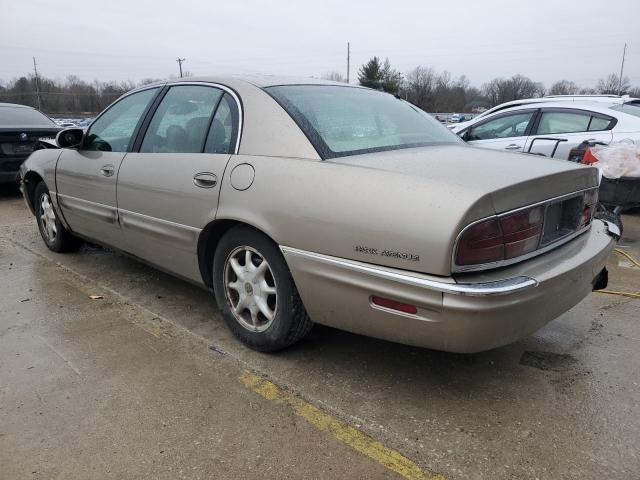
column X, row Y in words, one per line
column 30, row 181
column 208, row 243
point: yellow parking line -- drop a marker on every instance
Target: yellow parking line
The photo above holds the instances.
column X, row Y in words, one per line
column 359, row 441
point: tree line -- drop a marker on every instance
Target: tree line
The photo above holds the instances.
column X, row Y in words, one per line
column 71, row 96
column 423, row 86
column 441, row 92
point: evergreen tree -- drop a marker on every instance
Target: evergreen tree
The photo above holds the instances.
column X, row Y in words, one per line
column 370, row 74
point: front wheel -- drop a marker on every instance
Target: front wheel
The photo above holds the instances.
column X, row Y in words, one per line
column 55, row 236
column 255, row 291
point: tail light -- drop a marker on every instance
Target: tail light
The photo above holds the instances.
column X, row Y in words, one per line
column 589, row 158
column 519, row 233
column 589, row 208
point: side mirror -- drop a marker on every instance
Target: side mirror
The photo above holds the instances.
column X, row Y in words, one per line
column 70, row 138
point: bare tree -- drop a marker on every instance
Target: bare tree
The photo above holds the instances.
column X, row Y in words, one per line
column 334, row 77
column 611, row 83
column 419, row 86
column 500, row 90
column 564, row 87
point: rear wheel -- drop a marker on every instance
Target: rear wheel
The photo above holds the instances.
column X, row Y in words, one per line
column 255, row 291
column 55, row 236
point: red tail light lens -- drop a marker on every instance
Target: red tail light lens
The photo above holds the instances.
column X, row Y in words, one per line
column 481, row 243
column 589, row 209
column 499, row 239
column 522, row 231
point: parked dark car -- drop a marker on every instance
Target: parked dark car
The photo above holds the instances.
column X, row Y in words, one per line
column 21, row 127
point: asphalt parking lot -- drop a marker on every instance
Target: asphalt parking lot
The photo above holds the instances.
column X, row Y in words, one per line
column 146, row 382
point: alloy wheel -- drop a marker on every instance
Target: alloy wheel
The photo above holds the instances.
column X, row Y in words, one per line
column 48, row 218
column 250, row 289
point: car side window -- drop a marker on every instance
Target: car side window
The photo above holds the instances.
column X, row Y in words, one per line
column 114, row 129
column 599, row 123
column 563, row 122
column 224, row 127
column 181, row 121
column 506, row 126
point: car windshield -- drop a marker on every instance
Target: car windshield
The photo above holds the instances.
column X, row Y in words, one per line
column 630, row 108
column 342, row 121
column 20, row 116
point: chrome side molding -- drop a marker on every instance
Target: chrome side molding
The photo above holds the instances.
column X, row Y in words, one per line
column 499, row 287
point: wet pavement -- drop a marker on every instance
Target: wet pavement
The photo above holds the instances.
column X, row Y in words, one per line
column 147, row 382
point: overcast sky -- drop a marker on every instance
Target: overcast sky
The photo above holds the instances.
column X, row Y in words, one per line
column 579, row 40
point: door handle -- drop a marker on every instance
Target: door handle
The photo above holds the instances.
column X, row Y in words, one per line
column 108, row 170
column 205, row 180
column 513, row 146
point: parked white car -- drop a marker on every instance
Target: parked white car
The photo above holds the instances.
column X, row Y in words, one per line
column 609, row 99
column 554, row 128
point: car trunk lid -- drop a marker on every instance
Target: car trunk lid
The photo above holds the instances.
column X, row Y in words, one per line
column 510, row 180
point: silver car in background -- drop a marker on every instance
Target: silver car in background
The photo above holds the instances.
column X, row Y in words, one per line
column 300, row 201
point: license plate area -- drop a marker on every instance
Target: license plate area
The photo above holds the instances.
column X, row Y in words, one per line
column 561, row 219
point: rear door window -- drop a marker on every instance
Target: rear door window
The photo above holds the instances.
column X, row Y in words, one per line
column 505, row 126
column 563, row 122
column 224, row 127
column 181, row 121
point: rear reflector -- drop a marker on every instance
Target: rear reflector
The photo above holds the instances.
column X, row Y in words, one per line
column 394, row 305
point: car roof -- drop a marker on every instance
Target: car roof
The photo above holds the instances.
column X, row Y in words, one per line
column 260, row 81
column 595, row 98
column 597, row 107
column 15, row 105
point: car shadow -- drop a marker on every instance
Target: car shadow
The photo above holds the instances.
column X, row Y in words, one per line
column 9, row 191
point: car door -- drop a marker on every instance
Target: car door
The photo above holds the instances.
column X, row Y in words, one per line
column 558, row 130
column 86, row 177
column 503, row 131
column 168, row 188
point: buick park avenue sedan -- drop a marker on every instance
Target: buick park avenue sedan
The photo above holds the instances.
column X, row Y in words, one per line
column 309, row 201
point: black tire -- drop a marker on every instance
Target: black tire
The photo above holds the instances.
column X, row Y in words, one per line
column 290, row 322
column 61, row 240
column 609, row 216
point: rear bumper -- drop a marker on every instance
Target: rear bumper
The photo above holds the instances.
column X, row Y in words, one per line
column 9, row 168
column 471, row 313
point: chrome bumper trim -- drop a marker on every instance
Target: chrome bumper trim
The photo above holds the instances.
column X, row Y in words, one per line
column 500, row 287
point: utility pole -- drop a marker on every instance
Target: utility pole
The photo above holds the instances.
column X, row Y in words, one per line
column 624, row 52
column 35, row 71
column 180, row 60
column 348, row 59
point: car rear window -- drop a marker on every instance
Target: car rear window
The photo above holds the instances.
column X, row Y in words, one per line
column 23, row 117
column 630, row 108
column 341, row 121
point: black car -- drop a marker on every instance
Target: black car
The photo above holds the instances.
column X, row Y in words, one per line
column 21, row 127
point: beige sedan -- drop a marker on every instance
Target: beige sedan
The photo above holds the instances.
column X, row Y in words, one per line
column 309, row 201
